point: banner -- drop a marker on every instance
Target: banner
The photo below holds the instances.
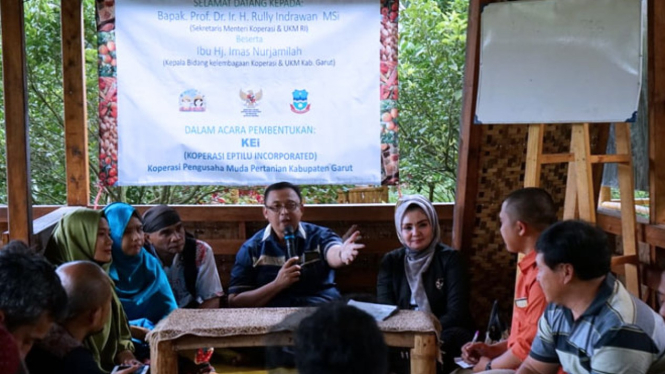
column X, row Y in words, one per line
column 241, row 92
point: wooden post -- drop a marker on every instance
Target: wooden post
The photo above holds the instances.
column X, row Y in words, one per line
column 656, row 72
column 627, row 191
column 656, row 110
column 423, row 354
column 534, row 151
column 163, row 358
column 469, row 147
column 16, row 120
column 76, row 129
column 570, row 206
column 602, row 137
column 580, row 146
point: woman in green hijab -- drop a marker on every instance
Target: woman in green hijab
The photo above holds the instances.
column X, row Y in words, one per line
column 84, row 234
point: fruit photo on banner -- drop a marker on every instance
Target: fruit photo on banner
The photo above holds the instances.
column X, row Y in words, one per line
column 108, row 101
column 389, row 93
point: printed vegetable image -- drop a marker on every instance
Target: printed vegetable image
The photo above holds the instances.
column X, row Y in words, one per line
column 108, row 129
column 389, row 93
column 108, row 88
column 388, row 50
column 106, row 59
column 105, row 14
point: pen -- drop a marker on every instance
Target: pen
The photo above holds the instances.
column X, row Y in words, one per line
column 475, row 337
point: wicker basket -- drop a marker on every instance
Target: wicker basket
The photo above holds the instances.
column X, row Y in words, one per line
column 363, row 195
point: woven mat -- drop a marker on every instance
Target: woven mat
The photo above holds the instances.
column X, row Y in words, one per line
column 259, row 321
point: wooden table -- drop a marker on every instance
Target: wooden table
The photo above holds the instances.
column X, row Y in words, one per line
column 256, row 327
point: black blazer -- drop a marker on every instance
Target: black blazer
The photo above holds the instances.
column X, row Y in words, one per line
column 446, row 285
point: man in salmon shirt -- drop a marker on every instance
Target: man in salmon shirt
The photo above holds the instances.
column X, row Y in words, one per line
column 525, row 213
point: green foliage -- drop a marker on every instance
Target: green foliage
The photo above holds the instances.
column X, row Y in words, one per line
column 616, row 194
column 321, row 194
column 431, row 62
column 45, row 100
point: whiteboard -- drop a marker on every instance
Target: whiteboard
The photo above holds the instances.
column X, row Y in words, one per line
column 560, row 61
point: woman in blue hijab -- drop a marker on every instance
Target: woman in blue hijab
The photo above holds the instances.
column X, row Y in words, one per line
column 140, row 282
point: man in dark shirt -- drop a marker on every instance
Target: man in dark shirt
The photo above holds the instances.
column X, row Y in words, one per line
column 89, row 304
column 31, row 296
column 264, row 275
column 339, row 338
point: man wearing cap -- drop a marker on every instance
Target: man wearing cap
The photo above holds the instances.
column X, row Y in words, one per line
column 189, row 263
column 265, row 274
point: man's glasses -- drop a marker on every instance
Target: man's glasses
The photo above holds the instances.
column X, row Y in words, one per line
column 291, row 206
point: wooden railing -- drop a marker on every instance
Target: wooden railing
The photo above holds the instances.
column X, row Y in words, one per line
column 226, row 227
column 650, row 234
column 607, row 220
column 37, row 213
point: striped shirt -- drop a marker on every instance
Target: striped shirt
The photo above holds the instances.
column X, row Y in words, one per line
column 618, row 333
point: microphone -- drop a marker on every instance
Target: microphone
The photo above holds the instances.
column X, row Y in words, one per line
column 290, row 238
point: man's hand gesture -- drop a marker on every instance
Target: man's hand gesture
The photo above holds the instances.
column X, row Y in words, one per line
column 349, row 250
column 288, row 274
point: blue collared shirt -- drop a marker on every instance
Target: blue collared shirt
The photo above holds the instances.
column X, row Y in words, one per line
column 261, row 257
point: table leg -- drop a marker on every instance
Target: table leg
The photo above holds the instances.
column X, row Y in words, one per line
column 163, row 358
column 423, row 354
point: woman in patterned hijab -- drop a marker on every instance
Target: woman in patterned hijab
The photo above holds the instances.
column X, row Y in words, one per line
column 426, row 275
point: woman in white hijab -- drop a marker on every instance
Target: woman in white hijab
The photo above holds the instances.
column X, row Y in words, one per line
column 427, row 275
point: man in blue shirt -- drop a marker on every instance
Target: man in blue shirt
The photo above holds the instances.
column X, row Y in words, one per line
column 264, row 275
column 592, row 324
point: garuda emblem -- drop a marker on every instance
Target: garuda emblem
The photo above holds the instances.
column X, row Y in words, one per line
column 251, row 99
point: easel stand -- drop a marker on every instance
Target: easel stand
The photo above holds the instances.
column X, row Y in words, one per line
column 579, row 201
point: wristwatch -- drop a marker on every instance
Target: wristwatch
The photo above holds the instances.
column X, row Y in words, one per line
column 489, row 365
